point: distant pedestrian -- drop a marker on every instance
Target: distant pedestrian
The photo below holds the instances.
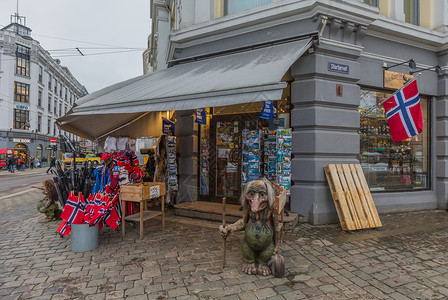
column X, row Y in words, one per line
column 8, row 164
column 52, row 163
column 31, row 162
column 12, row 164
column 36, row 162
column 44, row 162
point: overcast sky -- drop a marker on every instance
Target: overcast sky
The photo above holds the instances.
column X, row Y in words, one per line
column 91, row 24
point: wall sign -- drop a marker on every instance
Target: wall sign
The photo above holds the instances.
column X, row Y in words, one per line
column 167, row 126
column 20, row 106
column 395, row 80
column 334, row 67
column 25, row 141
column 154, row 191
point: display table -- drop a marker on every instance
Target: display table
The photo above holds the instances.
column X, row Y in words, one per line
column 142, row 193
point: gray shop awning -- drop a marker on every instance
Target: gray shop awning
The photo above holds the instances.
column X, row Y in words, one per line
column 241, row 77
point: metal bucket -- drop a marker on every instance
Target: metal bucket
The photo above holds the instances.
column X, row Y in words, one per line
column 83, row 237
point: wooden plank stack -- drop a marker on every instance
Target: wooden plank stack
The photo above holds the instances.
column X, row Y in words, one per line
column 351, row 196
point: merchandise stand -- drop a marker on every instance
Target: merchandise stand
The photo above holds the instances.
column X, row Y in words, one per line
column 141, row 193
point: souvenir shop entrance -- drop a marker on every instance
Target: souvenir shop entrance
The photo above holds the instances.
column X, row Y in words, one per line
column 231, row 149
column 223, row 156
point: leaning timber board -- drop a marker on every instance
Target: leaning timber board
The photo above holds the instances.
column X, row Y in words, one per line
column 351, row 196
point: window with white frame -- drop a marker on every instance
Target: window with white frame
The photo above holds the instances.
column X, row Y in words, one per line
column 412, row 11
column 234, row 6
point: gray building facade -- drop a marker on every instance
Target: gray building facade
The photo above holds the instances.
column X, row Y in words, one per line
column 354, row 44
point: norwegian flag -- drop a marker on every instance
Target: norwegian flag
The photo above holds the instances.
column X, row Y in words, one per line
column 74, row 209
column 64, row 228
column 404, row 113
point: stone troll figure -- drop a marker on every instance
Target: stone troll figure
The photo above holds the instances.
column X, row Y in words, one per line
column 49, row 205
column 261, row 243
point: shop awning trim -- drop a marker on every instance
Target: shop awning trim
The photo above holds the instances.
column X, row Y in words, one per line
column 249, row 76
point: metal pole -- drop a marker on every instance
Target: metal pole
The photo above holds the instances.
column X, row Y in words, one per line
column 224, row 225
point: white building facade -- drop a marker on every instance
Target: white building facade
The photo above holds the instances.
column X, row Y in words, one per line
column 35, row 90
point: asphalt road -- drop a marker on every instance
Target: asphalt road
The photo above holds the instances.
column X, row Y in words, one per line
column 13, row 181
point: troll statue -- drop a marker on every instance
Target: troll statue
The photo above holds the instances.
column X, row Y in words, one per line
column 261, row 241
column 49, row 205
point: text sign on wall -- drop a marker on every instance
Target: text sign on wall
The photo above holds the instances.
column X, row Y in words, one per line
column 395, row 80
column 154, row 191
column 334, row 67
column 19, row 106
column 25, row 141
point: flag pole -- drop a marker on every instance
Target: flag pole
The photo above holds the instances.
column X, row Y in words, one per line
column 405, row 85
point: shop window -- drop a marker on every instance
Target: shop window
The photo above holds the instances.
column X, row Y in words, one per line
column 21, row 118
column 21, row 92
column 22, row 61
column 388, row 166
column 412, row 11
column 234, row 6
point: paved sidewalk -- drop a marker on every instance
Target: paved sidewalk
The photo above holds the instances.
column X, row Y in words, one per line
column 406, row 259
column 27, row 171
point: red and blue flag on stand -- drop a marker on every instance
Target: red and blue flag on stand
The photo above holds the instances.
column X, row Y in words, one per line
column 404, row 113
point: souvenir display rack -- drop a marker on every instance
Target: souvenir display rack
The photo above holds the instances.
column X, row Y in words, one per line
column 172, row 164
column 270, row 155
column 252, row 155
column 284, row 151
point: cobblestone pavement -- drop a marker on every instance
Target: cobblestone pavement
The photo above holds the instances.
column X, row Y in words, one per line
column 406, row 259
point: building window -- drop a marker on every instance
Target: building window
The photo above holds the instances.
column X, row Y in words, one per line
column 60, row 108
column 50, row 79
column 41, row 74
column 370, row 2
column 388, row 166
column 60, row 89
column 21, row 118
column 412, row 11
column 234, row 6
column 39, row 123
column 54, row 129
column 39, row 98
column 66, row 94
column 49, row 126
column 22, row 61
column 21, row 92
column 49, row 104
column 55, row 107
column 56, row 86
column 65, row 110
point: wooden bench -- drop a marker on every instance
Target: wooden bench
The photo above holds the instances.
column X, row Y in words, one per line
column 142, row 193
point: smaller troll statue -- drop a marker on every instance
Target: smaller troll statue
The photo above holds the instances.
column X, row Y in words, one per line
column 49, row 205
column 261, row 243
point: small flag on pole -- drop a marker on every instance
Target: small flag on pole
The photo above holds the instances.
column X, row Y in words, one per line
column 404, row 113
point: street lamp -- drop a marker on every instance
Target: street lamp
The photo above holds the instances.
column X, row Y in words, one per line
column 437, row 69
column 411, row 64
